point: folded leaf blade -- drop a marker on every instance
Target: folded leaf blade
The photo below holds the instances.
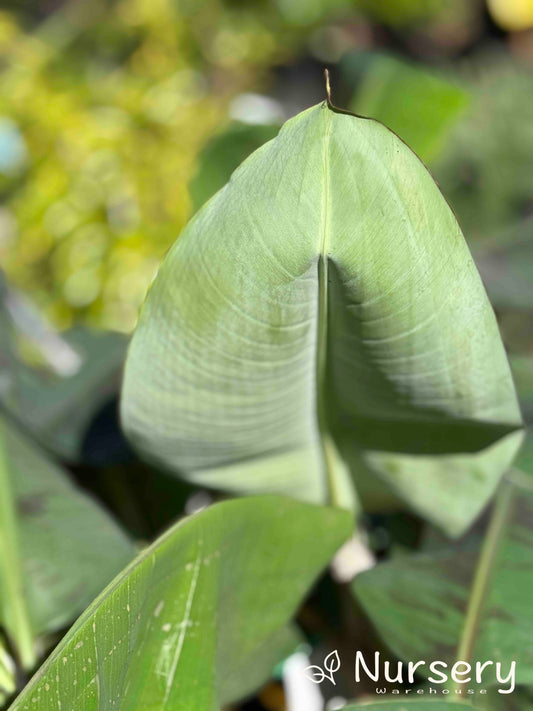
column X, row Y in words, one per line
column 326, row 291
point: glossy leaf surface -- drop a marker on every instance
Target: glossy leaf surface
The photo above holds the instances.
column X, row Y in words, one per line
column 179, row 628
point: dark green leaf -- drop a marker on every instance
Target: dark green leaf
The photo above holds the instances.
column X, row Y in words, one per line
column 223, row 154
column 66, row 547
column 180, row 626
column 417, row 603
column 419, row 105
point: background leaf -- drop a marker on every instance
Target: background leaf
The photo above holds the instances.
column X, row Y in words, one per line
column 419, row 105
column 223, row 154
column 13, row 608
column 179, row 626
column 417, row 602
column 506, row 263
column 72, row 377
column 69, row 547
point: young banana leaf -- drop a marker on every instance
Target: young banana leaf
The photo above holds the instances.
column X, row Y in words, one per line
column 321, row 318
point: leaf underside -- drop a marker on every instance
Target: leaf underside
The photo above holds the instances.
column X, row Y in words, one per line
column 325, row 302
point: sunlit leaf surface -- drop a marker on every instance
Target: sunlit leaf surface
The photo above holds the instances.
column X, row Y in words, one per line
column 179, row 628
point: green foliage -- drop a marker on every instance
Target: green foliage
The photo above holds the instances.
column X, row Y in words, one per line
column 179, row 626
column 49, row 527
column 108, row 105
column 505, row 261
column 418, row 602
column 223, row 154
column 318, row 330
column 486, row 169
column 58, row 408
column 267, row 348
column 420, row 106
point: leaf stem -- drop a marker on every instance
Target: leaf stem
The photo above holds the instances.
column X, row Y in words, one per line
column 13, row 608
column 485, row 567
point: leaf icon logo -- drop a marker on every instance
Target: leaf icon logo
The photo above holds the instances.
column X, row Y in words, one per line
column 332, row 664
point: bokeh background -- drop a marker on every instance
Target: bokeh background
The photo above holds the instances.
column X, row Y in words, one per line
column 120, row 118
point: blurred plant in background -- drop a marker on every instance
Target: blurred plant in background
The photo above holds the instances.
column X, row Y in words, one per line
column 105, row 106
column 120, row 118
column 103, row 111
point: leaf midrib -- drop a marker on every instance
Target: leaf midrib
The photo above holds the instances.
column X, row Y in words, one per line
column 325, row 443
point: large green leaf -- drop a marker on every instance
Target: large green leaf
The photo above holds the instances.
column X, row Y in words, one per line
column 179, row 628
column 324, row 303
column 417, row 603
column 59, row 547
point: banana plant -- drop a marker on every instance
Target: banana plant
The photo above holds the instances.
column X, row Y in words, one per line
column 320, row 330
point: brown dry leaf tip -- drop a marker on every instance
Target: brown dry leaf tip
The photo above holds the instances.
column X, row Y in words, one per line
column 328, row 85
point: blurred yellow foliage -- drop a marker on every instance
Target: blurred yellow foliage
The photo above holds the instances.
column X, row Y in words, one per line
column 104, row 107
column 109, row 107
